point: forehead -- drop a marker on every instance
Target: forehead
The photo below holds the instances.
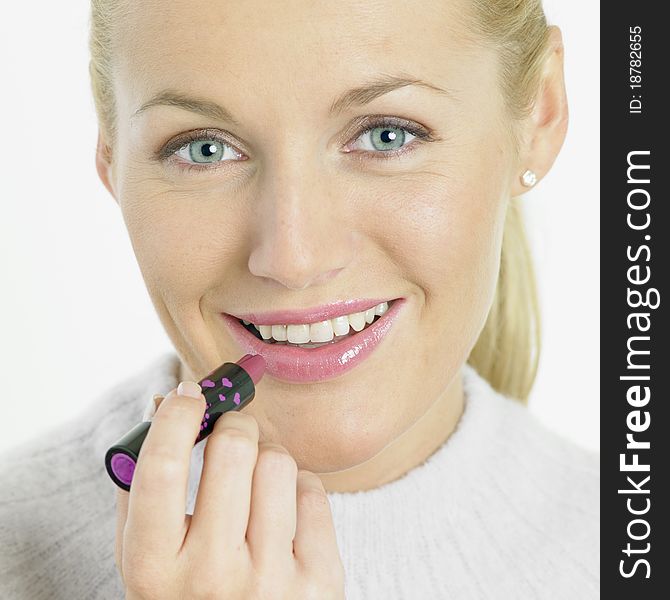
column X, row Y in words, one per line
column 301, row 50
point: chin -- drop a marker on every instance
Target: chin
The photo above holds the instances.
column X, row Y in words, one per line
column 323, row 450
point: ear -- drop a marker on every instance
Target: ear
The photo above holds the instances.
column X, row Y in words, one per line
column 548, row 122
column 103, row 164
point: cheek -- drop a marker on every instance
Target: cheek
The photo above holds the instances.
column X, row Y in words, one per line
column 444, row 230
column 183, row 240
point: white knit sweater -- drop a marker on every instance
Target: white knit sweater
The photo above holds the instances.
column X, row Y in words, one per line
column 505, row 509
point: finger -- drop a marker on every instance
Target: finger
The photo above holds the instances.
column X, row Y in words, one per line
column 121, row 515
column 221, row 514
column 157, row 503
column 272, row 519
column 315, row 544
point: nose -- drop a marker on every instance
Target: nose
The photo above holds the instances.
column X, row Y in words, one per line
column 302, row 236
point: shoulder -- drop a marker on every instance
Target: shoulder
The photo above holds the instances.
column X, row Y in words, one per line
column 514, row 428
column 547, row 489
column 57, row 504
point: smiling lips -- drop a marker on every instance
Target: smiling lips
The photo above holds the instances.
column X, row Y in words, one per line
column 313, row 335
column 328, row 360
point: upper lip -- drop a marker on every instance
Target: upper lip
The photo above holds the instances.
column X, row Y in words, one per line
column 311, row 315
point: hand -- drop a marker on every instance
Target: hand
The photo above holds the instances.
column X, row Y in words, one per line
column 261, row 528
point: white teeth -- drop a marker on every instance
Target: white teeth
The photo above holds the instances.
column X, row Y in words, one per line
column 381, row 308
column 298, row 334
column 322, row 331
column 357, row 321
column 246, row 322
column 279, row 332
column 340, row 325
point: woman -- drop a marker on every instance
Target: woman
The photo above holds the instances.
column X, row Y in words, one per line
column 341, row 175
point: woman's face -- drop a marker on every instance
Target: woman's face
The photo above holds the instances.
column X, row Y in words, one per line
column 293, row 206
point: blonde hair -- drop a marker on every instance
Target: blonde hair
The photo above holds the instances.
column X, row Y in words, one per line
column 507, row 350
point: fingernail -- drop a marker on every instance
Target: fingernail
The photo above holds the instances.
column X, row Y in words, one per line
column 190, row 389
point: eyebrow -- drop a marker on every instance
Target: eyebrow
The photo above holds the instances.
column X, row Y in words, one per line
column 357, row 96
column 383, row 84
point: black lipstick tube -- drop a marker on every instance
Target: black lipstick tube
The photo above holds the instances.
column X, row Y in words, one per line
column 229, row 387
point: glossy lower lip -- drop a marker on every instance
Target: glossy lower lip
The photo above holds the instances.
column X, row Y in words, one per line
column 307, row 365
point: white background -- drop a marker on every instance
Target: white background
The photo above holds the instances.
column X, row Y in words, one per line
column 75, row 316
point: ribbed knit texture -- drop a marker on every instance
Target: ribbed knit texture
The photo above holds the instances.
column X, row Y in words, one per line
column 505, row 509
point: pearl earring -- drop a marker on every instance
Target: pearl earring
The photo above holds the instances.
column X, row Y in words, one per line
column 529, row 178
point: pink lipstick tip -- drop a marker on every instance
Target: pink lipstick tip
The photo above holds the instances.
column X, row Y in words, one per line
column 254, row 365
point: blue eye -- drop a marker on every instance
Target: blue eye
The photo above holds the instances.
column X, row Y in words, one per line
column 206, row 150
column 387, row 138
column 382, row 138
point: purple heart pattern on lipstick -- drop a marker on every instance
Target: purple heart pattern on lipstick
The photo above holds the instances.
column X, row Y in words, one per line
column 239, row 378
column 229, row 376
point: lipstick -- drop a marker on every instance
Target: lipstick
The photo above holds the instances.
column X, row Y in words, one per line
column 230, row 386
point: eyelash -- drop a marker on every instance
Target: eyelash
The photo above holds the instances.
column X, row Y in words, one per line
column 167, row 153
